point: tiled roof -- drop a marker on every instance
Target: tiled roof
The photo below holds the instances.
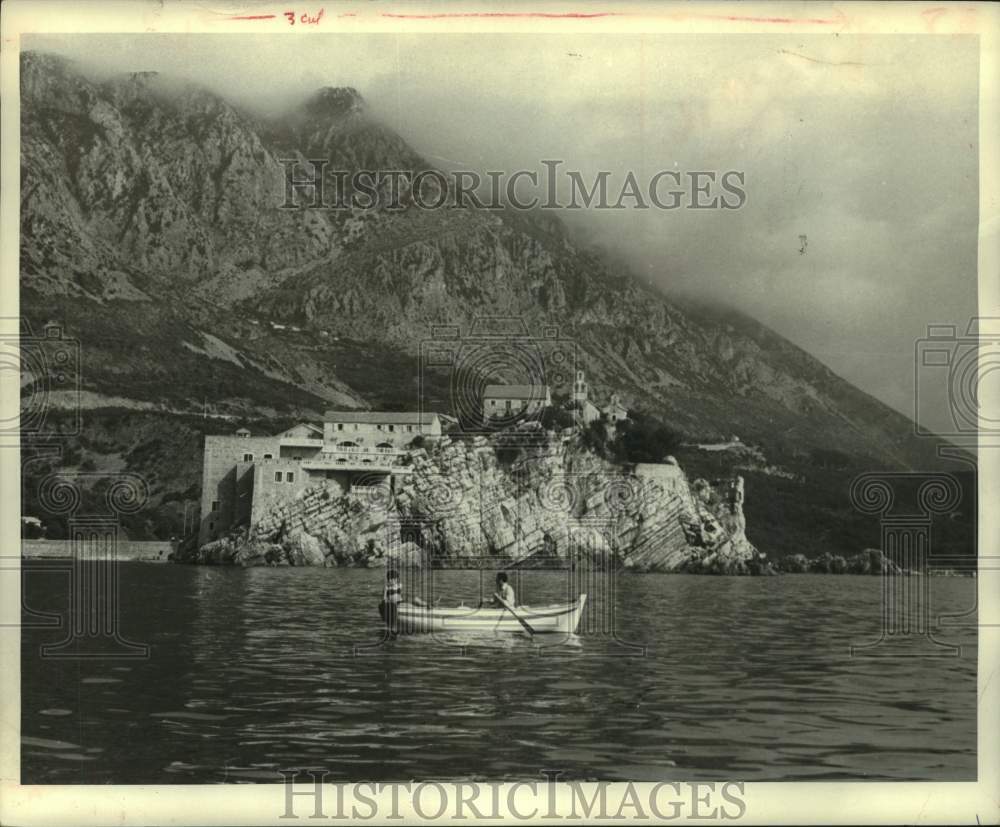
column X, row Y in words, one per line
column 381, row 417
column 516, row 391
column 308, row 425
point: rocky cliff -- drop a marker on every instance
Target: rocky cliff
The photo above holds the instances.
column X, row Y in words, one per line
column 461, row 503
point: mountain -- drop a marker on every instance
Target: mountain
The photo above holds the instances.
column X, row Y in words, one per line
column 153, row 230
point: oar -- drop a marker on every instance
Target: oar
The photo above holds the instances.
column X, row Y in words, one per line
column 510, row 609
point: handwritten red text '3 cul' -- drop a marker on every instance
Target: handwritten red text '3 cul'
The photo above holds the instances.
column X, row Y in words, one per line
column 304, row 18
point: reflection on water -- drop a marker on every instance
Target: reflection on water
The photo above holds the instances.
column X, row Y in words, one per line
column 253, row 670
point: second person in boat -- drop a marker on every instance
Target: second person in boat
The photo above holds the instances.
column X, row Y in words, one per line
column 392, row 597
column 504, row 591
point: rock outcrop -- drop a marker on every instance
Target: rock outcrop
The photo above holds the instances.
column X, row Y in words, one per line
column 460, row 502
column 869, row 561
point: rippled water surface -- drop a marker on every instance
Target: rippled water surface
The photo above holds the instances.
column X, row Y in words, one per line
column 252, row 670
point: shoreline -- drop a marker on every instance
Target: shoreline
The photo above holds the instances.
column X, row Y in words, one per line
column 138, row 551
column 146, row 557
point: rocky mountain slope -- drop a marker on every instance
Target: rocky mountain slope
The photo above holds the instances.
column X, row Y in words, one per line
column 152, row 230
column 152, row 223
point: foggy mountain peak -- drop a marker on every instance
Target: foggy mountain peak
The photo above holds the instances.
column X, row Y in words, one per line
column 334, row 102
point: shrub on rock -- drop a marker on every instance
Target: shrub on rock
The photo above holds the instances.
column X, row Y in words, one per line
column 795, row 564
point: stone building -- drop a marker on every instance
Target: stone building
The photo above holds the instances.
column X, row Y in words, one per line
column 587, row 411
column 354, row 451
column 509, row 401
column 379, row 430
column 614, row 412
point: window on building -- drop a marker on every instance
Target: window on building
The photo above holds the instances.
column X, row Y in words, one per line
column 215, row 505
column 211, row 526
column 248, row 457
column 355, row 426
column 290, row 477
column 297, row 459
column 409, row 429
column 277, row 476
column 508, row 405
column 340, row 426
column 392, row 427
column 268, row 456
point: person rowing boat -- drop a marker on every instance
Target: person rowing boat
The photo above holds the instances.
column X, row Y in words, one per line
column 558, row 618
column 505, row 592
column 497, row 616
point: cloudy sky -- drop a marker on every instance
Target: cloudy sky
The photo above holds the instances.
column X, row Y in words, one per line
column 867, row 146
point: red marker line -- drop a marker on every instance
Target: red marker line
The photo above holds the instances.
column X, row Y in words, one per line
column 576, row 15
column 255, row 17
column 592, row 15
column 740, row 19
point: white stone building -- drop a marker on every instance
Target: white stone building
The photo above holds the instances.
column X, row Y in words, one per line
column 588, row 412
column 615, row 411
column 244, row 475
column 508, row 401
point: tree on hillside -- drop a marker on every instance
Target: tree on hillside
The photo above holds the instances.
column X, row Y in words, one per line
column 641, row 438
column 554, row 419
column 595, row 437
column 829, row 458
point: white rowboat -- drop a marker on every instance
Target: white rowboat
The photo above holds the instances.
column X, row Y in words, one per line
column 558, row 618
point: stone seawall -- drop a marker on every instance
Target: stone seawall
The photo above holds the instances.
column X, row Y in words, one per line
column 463, row 504
column 152, row 551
